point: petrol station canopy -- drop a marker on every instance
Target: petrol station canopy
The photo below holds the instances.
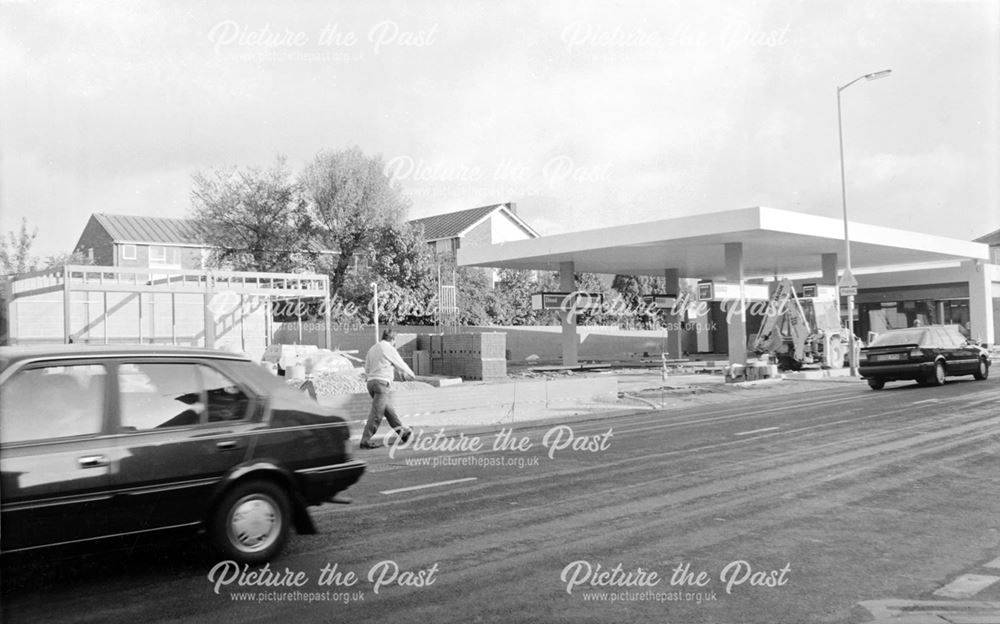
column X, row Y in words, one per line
column 774, row 242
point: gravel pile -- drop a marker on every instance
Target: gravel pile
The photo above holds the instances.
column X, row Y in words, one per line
column 332, row 384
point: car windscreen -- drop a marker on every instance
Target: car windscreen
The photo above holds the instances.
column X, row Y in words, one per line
column 900, row 337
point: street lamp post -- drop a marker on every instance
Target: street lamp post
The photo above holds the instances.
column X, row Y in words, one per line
column 852, row 355
column 375, row 309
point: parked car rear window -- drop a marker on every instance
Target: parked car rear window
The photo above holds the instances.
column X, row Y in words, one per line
column 952, row 338
column 52, row 402
column 900, row 337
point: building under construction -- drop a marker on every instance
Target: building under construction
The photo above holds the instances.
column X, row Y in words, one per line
column 118, row 305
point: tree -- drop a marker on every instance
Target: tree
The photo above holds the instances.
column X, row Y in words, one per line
column 15, row 250
column 630, row 289
column 397, row 253
column 474, row 293
column 15, row 253
column 595, row 284
column 511, row 303
column 253, row 219
column 350, row 199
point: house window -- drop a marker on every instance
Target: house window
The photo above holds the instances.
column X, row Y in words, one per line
column 157, row 253
column 128, row 252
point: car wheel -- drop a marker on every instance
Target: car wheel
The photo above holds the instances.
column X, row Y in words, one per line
column 876, row 384
column 251, row 523
column 937, row 377
column 983, row 370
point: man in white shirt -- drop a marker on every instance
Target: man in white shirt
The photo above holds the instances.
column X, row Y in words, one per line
column 380, row 365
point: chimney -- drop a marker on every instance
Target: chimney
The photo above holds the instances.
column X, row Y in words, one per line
column 512, row 207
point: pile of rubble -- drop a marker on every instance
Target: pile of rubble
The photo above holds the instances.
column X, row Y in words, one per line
column 349, row 382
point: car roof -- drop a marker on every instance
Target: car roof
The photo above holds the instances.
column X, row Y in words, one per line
column 12, row 355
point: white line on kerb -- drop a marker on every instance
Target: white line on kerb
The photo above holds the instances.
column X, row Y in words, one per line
column 428, row 485
column 743, row 433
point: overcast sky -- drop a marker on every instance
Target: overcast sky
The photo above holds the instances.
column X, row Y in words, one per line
column 586, row 114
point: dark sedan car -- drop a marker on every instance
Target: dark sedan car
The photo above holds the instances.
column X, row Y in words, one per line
column 110, row 442
column 923, row 354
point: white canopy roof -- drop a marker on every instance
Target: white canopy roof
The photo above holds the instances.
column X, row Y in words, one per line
column 774, row 242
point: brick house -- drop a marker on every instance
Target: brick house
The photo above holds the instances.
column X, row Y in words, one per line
column 159, row 242
column 142, row 242
column 485, row 225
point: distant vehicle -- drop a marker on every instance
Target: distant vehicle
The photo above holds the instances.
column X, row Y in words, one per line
column 926, row 355
column 110, row 442
column 802, row 331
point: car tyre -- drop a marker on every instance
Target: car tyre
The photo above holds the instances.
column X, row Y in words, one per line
column 937, row 377
column 251, row 522
column 982, row 370
column 876, row 384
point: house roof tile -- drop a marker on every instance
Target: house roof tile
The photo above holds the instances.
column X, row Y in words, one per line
column 452, row 224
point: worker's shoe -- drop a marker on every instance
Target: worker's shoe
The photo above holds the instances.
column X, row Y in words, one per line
column 371, row 445
column 404, row 434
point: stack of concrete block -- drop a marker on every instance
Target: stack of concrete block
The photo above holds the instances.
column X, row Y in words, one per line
column 421, row 362
column 406, row 344
column 469, row 356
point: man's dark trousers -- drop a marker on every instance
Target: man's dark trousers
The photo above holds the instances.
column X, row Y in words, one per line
column 379, row 391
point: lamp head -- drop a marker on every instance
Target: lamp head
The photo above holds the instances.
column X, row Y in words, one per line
column 879, row 74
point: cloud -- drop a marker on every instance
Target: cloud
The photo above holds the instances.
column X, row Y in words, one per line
column 648, row 110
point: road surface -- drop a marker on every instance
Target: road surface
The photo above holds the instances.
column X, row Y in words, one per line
column 777, row 507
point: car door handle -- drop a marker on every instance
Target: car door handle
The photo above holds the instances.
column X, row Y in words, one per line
column 226, row 445
column 92, row 461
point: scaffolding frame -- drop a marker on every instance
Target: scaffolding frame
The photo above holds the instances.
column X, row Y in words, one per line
column 71, row 279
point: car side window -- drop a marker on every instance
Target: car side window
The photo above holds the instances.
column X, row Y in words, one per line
column 49, row 402
column 163, row 395
column 155, row 396
column 225, row 399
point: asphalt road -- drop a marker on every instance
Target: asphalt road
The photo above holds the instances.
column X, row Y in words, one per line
column 779, row 507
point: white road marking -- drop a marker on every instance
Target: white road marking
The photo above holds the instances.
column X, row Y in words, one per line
column 966, row 586
column 927, row 401
column 993, row 564
column 743, row 433
column 428, row 485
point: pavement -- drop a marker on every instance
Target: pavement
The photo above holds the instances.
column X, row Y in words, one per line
column 969, row 597
column 639, row 390
column 972, row 597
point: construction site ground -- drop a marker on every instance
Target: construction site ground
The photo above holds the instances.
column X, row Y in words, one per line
column 639, row 389
column 642, row 386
